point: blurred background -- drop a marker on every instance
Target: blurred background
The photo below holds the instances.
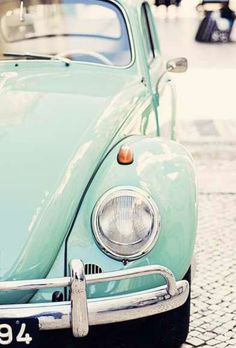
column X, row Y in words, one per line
column 212, row 65
column 206, row 93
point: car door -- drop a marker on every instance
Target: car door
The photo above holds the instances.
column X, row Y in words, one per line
column 162, row 87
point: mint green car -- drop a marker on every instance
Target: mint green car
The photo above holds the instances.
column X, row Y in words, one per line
column 98, row 207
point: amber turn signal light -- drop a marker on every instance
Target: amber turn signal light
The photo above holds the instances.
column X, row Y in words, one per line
column 125, row 155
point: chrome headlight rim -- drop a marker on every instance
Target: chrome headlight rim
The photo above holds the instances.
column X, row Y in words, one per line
column 119, row 191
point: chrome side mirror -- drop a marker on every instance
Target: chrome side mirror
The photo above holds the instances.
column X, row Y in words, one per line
column 177, row 65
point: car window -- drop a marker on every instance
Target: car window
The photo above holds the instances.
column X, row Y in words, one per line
column 147, row 32
column 82, row 30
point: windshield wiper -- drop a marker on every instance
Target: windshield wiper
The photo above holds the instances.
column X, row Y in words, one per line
column 67, row 61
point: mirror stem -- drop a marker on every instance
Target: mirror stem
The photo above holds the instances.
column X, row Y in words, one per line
column 160, row 79
column 22, row 17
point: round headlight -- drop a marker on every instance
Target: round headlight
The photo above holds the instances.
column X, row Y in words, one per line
column 126, row 222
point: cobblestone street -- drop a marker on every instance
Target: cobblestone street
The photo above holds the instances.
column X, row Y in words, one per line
column 213, row 319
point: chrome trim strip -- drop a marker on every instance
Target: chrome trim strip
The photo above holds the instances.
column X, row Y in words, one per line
column 79, row 309
column 134, row 273
column 35, row 284
column 57, row 315
column 135, row 306
column 79, row 313
column 92, row 279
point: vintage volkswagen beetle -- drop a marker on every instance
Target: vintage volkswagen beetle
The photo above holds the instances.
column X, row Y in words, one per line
column 98, row 203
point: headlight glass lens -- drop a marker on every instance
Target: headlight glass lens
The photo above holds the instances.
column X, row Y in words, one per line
column 126, row 222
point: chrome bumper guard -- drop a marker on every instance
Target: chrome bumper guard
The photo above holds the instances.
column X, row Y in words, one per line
column 79, row 313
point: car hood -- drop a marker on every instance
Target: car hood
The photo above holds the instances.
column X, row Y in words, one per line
column 55, row 125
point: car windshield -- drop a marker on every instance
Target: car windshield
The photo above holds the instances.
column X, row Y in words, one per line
column 91, row 31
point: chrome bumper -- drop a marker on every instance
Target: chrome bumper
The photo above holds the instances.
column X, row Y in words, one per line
column 79, row 313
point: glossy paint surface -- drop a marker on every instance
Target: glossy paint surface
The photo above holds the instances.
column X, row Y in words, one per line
column 56, row 123
column 58, row 127
column 165, row 171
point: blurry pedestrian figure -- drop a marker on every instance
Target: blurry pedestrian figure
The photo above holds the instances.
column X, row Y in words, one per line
column 232, row 6
column 167, row 8
column 217, row 23
column 167, row 2
column 227, row 13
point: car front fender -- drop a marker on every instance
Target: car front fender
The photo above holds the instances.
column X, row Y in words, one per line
column 164, row 170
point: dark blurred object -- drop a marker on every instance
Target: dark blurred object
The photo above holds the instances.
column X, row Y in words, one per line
column 167, row 2
column 211, row 5
column 218, row 21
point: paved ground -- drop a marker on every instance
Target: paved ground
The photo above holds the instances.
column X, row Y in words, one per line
column 213, row 320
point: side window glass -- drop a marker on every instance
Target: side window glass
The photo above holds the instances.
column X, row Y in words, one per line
column 149, row 43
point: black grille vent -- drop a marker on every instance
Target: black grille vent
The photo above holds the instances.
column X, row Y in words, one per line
column 92, row 269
